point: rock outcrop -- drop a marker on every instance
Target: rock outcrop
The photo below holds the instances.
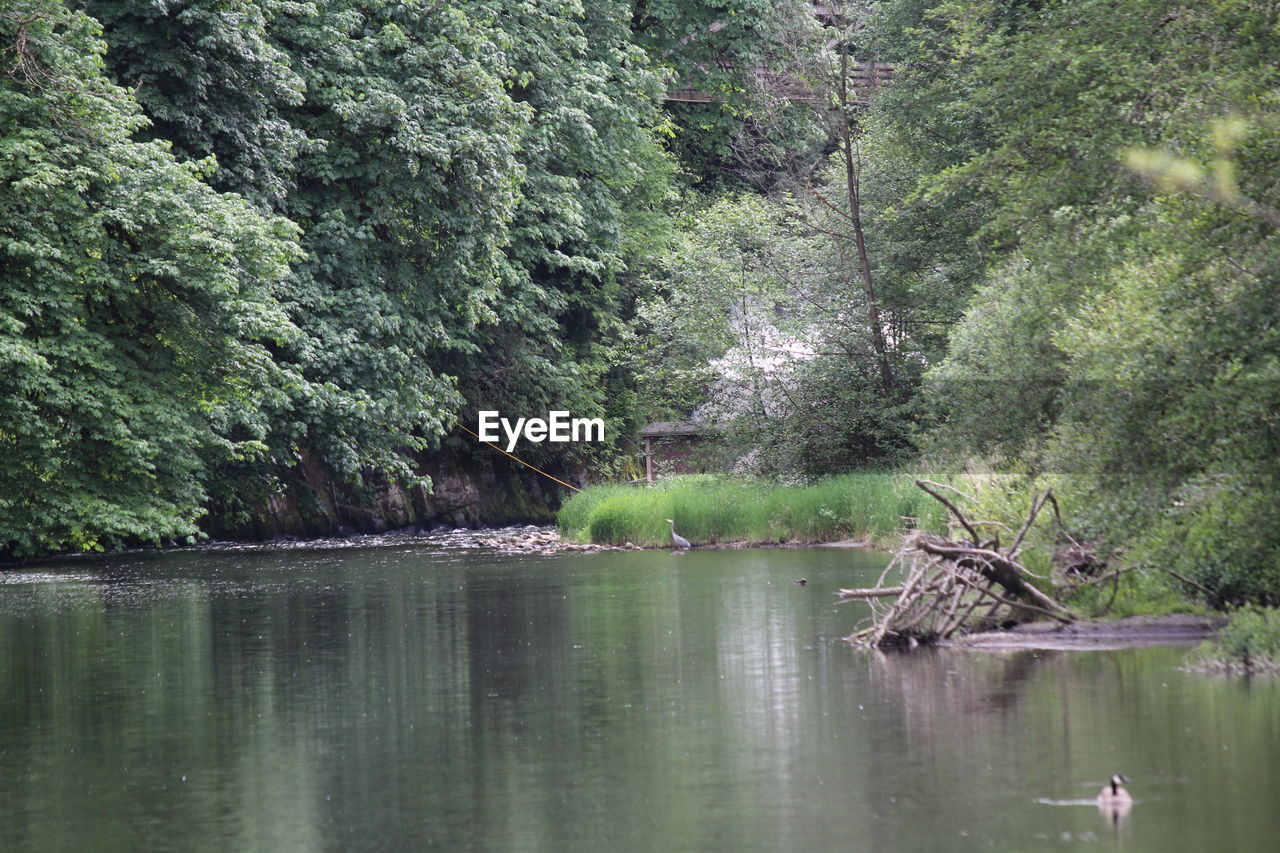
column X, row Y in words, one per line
column 465, row 492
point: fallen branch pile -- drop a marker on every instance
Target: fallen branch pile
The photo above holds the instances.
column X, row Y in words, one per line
column 949, row 585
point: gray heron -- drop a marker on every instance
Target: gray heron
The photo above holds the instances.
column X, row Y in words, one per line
column 680, row 541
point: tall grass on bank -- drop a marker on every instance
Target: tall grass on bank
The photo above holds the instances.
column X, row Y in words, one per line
column 877, row 505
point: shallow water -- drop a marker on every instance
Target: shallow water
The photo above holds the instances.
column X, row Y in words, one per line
column 404, row 697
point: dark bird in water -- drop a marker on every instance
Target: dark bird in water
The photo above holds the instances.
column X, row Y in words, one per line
column 1113, row 795
column 801, row 581
column 680, row 541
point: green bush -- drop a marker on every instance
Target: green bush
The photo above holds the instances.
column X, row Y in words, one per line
column 1138, row 593
column 1228, row 541
column 1251, row 640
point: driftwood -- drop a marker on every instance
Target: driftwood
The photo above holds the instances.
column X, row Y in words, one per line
column 869, row 592
column 945, row 581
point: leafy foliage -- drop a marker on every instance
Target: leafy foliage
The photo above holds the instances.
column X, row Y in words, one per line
column 1122, row 157
column 136, row 300
column 1249, row 642
column 467, row 183
column 593, row 176
column 214, row 82
column 745, row 136
column 402, row 194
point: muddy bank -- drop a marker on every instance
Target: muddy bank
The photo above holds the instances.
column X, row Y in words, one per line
column 1131, row 632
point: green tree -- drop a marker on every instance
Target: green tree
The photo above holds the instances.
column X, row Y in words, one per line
column 1119, row 159
column 591, row 208
column 214, row 83
column 403, row 193
column 747, row 135
column 135, row 301
column 472, row 182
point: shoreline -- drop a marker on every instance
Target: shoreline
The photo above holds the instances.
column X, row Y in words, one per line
column 544, row 540
column 513, row 539
column 1176, row 629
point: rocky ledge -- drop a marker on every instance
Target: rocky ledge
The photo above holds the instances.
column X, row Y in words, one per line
column 530, row 539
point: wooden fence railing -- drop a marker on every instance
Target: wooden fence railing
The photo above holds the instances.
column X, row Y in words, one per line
column 862, row 75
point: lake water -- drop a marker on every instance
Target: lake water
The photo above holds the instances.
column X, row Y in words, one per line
column 407, row 698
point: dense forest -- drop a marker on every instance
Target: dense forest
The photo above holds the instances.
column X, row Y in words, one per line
column 1028, row 237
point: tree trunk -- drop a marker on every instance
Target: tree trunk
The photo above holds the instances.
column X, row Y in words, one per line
column 855, row 216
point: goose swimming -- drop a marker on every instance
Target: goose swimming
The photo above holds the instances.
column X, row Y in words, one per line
column 1114, row 795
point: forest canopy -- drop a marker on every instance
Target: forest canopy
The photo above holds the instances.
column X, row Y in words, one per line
column 241, row 233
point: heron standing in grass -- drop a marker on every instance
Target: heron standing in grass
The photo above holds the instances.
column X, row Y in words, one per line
column 681, row 542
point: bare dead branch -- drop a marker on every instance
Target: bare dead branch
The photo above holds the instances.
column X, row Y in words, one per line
column 926, row 486
column 1022, row 605
column 869, row 592
column 1036, row 506
column 945, row 582
column 1189, row 582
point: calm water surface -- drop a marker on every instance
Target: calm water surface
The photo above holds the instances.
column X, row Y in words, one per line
column 404, row 698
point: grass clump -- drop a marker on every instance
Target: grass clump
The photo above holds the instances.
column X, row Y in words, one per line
column 707, row 509
column 575, row 511
column 1250, row 642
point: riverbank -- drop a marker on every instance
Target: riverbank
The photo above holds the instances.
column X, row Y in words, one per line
column 516, row 539
column 1130, row 632
column 534, row 539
